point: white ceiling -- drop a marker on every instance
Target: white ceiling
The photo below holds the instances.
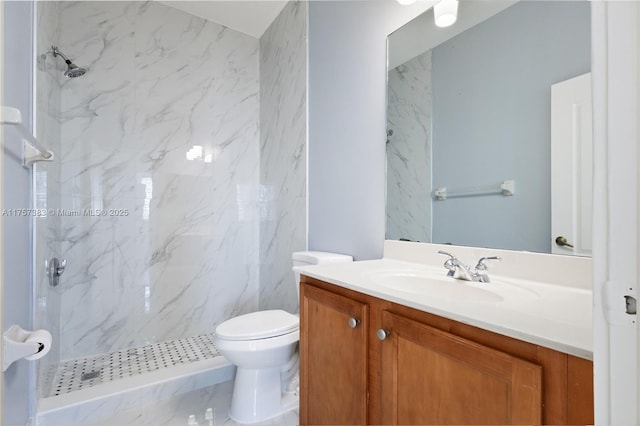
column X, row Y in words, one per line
column 251, row 17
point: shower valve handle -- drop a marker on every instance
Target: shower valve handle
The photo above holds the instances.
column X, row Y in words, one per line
column 56, row 268
column 61, row 266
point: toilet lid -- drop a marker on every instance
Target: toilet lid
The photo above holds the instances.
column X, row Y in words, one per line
column 258, row 325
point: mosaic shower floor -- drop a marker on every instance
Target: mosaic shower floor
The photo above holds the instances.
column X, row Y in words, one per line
column 82, row 373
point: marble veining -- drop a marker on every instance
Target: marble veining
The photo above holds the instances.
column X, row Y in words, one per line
column 283, row 121
column 409, row 150
column 162, row 135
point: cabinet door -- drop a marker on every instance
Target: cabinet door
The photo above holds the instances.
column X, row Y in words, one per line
column 433, row 377
column 333, row 359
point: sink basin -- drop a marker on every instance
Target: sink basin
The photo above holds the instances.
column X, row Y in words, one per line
column 428, row 284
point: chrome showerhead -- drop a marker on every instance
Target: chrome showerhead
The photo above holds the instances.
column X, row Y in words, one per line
column 73, row 70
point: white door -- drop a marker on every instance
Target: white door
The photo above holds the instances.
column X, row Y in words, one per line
column 571, row 167
column 616, row 248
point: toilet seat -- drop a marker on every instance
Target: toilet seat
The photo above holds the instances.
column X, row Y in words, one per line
column 263, row 346
column 258, row 325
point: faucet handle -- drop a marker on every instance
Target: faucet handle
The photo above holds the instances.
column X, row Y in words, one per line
column 451, row 257
column 481, row 266
column 451, row 263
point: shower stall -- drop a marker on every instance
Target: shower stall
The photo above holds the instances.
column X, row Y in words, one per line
column 166, row 201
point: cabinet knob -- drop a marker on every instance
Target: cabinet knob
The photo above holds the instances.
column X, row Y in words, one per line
column 353, row 322
column 382, row 333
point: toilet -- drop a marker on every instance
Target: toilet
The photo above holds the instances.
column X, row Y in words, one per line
column 263, row 346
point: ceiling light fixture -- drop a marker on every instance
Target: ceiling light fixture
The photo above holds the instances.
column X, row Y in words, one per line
column 445, row 13
column 406, row 2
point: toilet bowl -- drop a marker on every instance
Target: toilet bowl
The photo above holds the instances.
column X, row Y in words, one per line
column 260, row 345
column 263, row 346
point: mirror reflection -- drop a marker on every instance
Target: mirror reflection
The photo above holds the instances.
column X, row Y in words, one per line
column 476, row 153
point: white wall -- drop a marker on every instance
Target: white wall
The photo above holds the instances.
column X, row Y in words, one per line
column 347, row 120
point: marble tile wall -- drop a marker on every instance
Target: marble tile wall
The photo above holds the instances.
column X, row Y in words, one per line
column 48, row 75
column 159, row 175
column 283, row 154
column 409, row 150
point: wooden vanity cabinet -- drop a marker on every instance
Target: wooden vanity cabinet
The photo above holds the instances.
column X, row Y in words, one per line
column 426, row 369
column 333, row 360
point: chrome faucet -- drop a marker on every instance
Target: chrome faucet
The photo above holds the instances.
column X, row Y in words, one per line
column 460, row 271
column 481, row 269
column 457, row 269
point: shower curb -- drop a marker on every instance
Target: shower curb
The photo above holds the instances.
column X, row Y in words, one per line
column 105, row 399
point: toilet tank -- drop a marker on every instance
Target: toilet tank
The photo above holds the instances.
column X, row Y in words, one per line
column 305, row 258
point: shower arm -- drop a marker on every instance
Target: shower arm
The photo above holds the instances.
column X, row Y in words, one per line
column 73, row 70
column 55, row 52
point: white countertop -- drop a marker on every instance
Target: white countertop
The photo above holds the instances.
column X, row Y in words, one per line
column 555, row 316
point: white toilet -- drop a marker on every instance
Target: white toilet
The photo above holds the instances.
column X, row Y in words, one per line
column 263, row 346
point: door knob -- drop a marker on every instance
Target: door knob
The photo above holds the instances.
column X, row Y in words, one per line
column 382, row 333
column 353, row 322
column 562, row 242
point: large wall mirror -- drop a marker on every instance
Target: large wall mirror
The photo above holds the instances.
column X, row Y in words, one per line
column 489, row 128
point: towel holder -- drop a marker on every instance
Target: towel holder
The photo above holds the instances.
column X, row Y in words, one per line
column 506, row 188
